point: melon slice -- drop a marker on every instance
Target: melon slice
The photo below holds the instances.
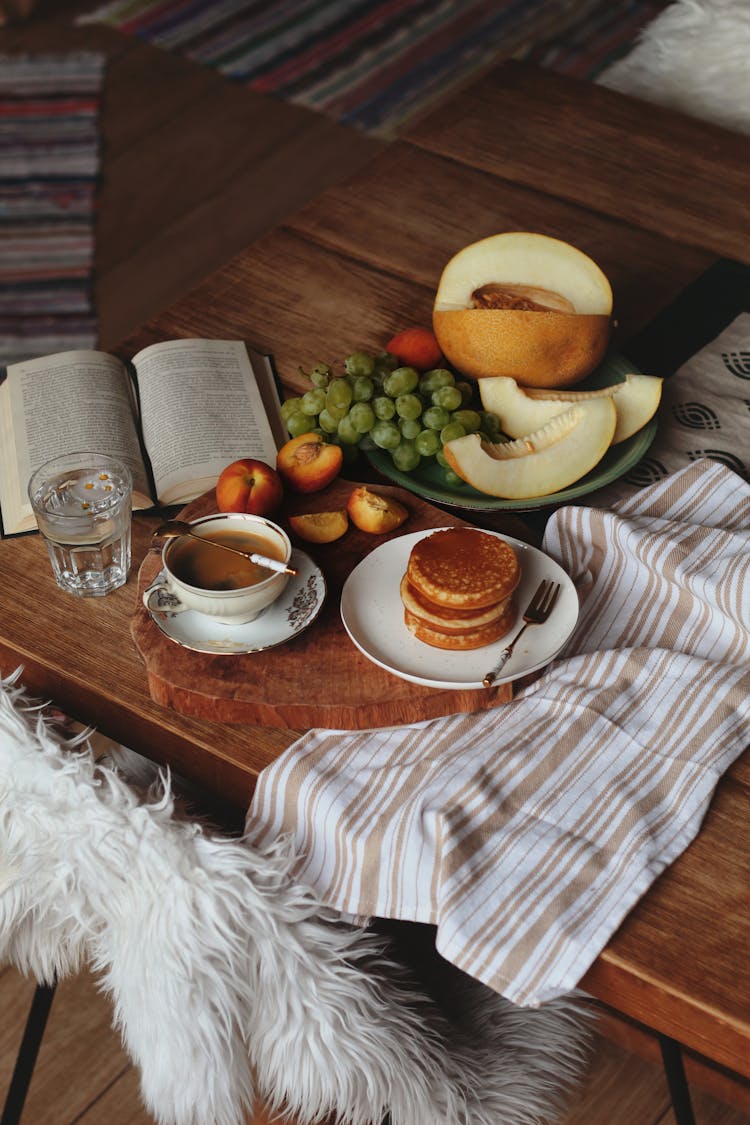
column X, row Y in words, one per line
column 524, row 409
column 553, row 457
column 523, row 305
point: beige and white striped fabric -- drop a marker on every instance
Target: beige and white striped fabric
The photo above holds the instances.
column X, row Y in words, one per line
column 526, row 833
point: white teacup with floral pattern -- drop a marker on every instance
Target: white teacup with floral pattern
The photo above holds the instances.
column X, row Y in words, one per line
column 224, row 586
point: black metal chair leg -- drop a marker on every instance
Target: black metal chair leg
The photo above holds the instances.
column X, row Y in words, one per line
column 27, row 1054
column 671, row 1054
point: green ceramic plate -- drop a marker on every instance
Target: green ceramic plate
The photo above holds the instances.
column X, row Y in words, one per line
column 427, row 481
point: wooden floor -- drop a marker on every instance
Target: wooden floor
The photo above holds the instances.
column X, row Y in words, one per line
column 194, row 168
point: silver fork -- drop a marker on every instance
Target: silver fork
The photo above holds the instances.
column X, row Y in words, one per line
column 537, row 612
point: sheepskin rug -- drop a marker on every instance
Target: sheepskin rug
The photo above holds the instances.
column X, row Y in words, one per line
column 226, row 976
column 693, row 58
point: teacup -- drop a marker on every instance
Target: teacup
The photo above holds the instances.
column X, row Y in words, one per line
column 218, row 583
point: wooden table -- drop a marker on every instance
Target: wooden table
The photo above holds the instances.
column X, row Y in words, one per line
column 655, row 198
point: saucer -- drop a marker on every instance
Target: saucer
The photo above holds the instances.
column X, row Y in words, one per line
column 293, row 611
column 373, row 616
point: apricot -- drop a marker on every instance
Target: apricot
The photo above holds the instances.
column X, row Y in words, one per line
column 417, row 348
column 375, row 513
column 320, row 527
column 530, row 307
column 308, row 463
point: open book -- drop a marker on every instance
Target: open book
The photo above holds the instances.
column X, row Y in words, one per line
column 186, row 410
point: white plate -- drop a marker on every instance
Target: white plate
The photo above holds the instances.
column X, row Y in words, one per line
column 297, row 608
column 373, row 616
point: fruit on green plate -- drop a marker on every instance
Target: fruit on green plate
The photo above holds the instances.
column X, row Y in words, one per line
column 523, row 305
column 550, row 459
column 522, row 410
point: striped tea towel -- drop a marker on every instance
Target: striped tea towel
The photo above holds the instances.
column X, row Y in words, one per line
column 526, row 834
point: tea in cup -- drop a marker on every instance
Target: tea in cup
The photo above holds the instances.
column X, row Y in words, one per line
column 198, row 574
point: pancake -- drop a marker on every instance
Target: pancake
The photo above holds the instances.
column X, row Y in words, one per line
column 463, row 568
column 449, row 620
column 468, row 639
column 458, row 588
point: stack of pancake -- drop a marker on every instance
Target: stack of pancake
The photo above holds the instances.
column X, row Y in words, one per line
column 458, row 588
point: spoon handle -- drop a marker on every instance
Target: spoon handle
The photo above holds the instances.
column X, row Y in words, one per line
column 271, row 564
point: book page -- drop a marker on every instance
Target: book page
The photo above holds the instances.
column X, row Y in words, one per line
column 59, row 404
column 201, row 409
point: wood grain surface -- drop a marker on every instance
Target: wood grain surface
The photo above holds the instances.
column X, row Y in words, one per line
column 319, row 678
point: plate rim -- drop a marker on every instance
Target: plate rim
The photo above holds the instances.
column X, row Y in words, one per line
column 296, row 552
column 450, row 685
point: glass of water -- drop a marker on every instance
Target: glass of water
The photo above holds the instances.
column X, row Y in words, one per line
column 82, row 505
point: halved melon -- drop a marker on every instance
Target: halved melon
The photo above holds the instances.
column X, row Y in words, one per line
column 553, row 457
column 523, row 305
column 524, row 409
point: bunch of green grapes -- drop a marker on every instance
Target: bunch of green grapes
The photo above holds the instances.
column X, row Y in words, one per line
column 376, row 403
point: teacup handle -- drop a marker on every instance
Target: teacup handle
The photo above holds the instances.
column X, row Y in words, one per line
column 160, row 598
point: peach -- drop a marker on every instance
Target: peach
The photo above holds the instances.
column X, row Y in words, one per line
column 417, row 348
column 250, row 486
column 320, row 527
column 307, row 463
column 375, row 513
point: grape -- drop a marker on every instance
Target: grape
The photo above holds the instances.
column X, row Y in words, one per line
column 427, row 443
column 435, row 418
column 386, row 435
column 320, row 375
column 447, row 397
column 347, row 434
column 467, row 392
column 470, row 420
column 490, row 424
column 401, row 381
column 338, row 395
column 452, row 431
column 380, row 403
column 362, row 417
column 409, row 428
column 409, row 406
column 434, row 379
column 405, row 457
column 384, row 407
column 313, row 402
column 452, row 478
column 290, row 406
column 327, row 422
column 299, row 423
column 363, row 388
column 359, row 363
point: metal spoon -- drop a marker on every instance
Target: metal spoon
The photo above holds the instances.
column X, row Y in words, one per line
column 173, row 529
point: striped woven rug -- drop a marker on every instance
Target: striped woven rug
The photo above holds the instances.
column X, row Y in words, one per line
column 49, row 158
column 375, row 64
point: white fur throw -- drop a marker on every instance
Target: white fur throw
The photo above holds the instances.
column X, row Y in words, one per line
column 224, row 972
column 694, row 57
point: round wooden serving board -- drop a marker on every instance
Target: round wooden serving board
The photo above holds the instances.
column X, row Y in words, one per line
column 319, row 678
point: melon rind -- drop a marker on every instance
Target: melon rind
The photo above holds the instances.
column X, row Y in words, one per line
column 551, row 458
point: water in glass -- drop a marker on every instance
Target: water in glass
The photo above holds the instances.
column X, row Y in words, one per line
column 82, row 505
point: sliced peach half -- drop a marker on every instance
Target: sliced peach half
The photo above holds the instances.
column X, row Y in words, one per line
column 524, row 305
column 320, row 527
column 308, row 463
column 524, row 409
column 553, row 457
column 374, row 512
